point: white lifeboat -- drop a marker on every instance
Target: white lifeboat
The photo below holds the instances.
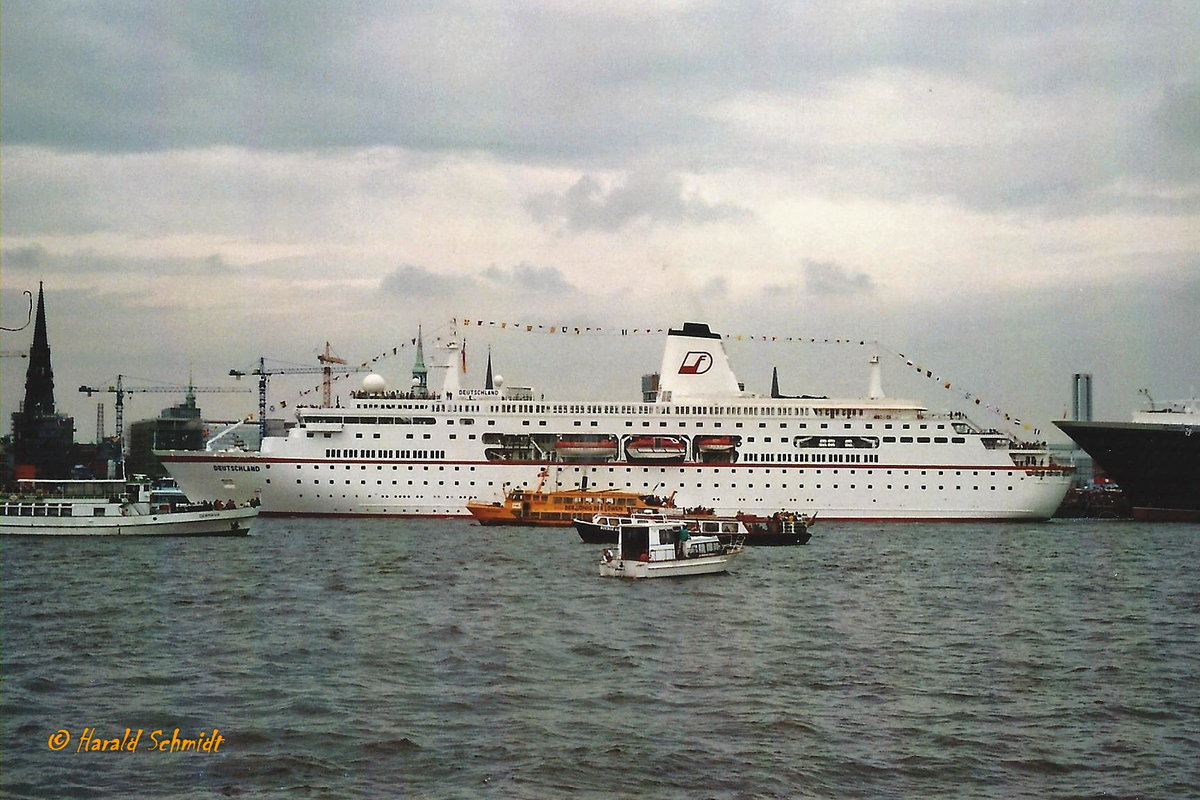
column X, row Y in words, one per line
column 585, row 447
column 715, row 444
column 656, row 448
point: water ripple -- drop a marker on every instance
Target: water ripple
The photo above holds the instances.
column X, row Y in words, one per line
column 434, row 659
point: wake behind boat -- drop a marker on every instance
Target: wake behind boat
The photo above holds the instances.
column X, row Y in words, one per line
column 657, row 549
column 114, row 508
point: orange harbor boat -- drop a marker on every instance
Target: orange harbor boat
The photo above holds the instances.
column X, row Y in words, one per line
column 560, row 507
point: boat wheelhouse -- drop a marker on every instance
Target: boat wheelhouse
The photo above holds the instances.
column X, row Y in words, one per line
column 665, row 549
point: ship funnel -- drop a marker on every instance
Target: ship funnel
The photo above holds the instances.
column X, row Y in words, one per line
column 695, row 366
column 875, row 387
column 455, row 362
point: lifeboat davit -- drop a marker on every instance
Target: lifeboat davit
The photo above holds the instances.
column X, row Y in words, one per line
column 656, row 448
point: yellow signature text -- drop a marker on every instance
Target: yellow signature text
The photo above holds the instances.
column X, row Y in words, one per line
column 131, row 741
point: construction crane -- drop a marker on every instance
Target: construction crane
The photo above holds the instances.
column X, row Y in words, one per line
column 120, row 390
column 327, row 360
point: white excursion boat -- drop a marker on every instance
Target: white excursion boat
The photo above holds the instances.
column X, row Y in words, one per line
column 115, row 508
column 428, row 453
column 661, row 549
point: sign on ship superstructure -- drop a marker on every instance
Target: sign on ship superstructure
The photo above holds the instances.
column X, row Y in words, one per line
column 698, row 433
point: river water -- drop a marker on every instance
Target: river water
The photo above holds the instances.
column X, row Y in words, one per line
column 437, row 659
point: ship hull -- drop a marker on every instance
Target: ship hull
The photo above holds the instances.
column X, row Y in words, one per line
column 895, row 492
column 230, row 522
column 1157, row 466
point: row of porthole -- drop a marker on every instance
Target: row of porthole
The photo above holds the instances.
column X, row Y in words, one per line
column 748, row 471
column 852, row 487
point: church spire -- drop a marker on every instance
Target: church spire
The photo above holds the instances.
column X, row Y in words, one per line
column 39, row 377
column 42, row 441
column 420, row 372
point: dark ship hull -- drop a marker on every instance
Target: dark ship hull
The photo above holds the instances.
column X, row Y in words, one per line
column 1157, row 466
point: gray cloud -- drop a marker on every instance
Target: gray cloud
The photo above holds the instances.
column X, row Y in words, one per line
column 826, row 278
column 641, row 197
column 38, row 260
column 521, row 280
column 549, row 83
column 409, row 280
column 528, row 278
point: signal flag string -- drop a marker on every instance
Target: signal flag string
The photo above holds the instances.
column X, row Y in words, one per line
column 596, row 330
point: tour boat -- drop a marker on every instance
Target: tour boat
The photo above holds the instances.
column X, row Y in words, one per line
column 115, row 508
column 559, row 507
column 429, row 452
column 780, row 528
column 665, row 549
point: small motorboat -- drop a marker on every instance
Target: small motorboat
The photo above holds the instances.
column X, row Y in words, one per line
column 665, row 549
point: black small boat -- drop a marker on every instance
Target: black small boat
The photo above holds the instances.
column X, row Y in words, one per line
column 781, row 528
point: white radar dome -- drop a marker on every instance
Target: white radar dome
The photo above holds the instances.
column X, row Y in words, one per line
column 374, row 384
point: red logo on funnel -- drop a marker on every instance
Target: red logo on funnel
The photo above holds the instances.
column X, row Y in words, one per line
column 696, row 362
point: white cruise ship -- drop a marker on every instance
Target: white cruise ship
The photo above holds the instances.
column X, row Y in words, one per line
column 696, row 433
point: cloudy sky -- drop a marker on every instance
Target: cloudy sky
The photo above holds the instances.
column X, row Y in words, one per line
column 1005, row 193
